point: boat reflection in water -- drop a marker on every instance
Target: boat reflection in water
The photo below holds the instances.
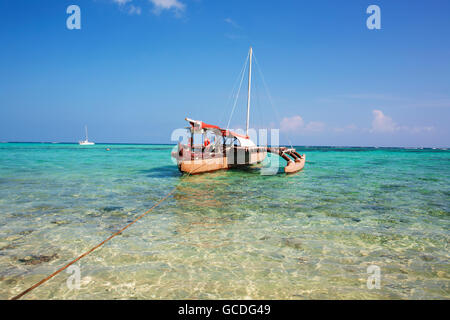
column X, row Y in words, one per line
column 205, row 205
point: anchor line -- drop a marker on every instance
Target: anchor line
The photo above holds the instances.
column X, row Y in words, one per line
column 20, row 295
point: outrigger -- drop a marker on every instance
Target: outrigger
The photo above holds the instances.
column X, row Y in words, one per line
column 228, row 149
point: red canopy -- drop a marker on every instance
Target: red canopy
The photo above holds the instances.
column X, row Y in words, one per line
column 225, row 132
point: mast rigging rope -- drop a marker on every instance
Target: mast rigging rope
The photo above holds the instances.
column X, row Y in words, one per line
column 239, row 90
column 270, row 97
column 230, row 97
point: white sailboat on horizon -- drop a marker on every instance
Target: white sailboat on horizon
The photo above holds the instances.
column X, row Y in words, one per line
column 86, row 142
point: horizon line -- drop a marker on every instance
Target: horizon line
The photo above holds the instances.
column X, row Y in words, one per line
column 283, row 145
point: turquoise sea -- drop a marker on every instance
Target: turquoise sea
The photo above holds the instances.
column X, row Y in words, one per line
column 228, row 234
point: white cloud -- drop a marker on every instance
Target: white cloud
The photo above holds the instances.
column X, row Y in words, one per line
column 161, row 5
column 236, row 32
column 122, row 2
column 158, row 6
column 130, row 9
column 134, row 9
column 421, row 129
column 292, row 124
column 296, row 124
column 232, row 22
column 381, row 123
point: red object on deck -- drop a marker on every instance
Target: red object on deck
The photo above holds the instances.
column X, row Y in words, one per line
column 209, row 126
column 225, row 132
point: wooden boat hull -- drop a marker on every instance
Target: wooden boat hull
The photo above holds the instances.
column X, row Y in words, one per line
column 197, row 166
column 234, row 158
column 295, row 166
column 207, row 159
column 202, row 165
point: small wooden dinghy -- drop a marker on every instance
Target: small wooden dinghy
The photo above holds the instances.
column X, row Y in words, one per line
column 295, row 163
column 227, row 149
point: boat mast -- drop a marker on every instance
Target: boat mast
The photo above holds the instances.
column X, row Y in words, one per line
column 249, row 88
column 85, row 127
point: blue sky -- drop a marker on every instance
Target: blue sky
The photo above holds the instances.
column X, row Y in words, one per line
column 137, row 68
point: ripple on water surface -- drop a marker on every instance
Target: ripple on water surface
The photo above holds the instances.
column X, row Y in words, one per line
column 229, row 234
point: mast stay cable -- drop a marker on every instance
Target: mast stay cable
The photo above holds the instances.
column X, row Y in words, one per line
column 230, row 97
column 239, row 90
column 270, row 96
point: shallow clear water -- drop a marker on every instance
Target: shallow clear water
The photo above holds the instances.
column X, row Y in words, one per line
column 228, row 234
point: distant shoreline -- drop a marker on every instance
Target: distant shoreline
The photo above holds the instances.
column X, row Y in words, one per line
column 174, row 144
column 97, row 143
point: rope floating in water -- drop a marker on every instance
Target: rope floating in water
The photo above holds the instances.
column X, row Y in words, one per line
column 20, row 295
